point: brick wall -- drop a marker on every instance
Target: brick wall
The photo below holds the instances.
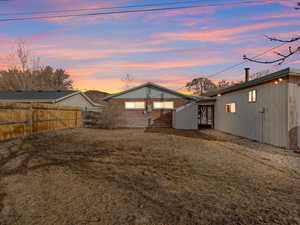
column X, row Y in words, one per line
column 138, row 118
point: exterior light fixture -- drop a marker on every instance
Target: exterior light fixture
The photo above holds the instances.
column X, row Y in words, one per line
column 280, row 79
column 276, row 82
column 219, row 95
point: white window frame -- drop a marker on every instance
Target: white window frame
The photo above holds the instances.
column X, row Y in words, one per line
column 135, row 107
column 230, row 107
column 163, row 106
column 252, row 96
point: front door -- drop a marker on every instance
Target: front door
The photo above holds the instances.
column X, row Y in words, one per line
column 206, row 116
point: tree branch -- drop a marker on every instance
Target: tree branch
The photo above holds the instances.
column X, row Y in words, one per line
column 279, row 54
column 281, row 60
column 283, row 41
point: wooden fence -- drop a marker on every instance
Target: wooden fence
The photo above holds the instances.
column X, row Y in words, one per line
column 18, row 119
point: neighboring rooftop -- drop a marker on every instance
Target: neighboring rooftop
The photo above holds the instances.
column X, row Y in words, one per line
column 42, row 96
column 150, row 84
column 269, row 77
column 96, row 96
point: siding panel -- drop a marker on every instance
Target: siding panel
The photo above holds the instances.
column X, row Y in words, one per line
column 293, row 113
column 268, row 127
column 186, row 117
column 80, row 101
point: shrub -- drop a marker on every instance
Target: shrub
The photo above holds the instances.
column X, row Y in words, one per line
column 110, row 117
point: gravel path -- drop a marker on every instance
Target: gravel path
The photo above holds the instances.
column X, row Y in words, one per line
column 283, row 156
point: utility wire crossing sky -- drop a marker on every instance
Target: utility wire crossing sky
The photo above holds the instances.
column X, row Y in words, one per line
column 166, row 42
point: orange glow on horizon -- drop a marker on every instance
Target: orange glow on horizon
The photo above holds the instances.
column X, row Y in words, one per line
column 109, row 91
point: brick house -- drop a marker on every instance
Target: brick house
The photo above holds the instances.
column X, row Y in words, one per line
column 148, row 105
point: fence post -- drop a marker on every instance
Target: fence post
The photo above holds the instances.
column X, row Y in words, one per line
column 30, row 119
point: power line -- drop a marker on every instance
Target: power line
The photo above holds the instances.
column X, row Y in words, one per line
column 238, row 64
column 146, row 10
column 135, row 11
column 99, row 8
column 243, row 62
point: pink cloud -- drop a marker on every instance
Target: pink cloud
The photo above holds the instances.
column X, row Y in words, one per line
column 169, row 80
column 164, row 16
column 251, row 51
column 112, row 85
column 223, row 34
column 167, row 15
column 278, row 15
column 85, row 54
column 109, row 67
column 55, row 47
column 173, row 81
column 297, row 61
column 172, row 64
column 84, row 71
column 291, row 3
column 190, row 21
column 49, row 5
column 88, row 20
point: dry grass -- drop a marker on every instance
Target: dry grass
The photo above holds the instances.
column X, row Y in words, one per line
column 135, row 176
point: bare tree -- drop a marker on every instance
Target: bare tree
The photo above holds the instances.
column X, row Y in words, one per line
column 236, row 82
column 260, row 74
column 223, row 84
column 35, row 63
column 110, row 117
column 282, row 57
column 127, row 79
column 23, row 55
column 13, row 79
column 33, row 77
column 45, row 78
column 200, row 85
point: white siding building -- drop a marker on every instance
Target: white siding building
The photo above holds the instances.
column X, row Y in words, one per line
column 266, row 109
column 59, row 97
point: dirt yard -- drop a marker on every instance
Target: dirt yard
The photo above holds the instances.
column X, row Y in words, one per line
column 136, row 176
column 287, row 158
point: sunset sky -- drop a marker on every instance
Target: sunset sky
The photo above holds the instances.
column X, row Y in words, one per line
column 166, row 47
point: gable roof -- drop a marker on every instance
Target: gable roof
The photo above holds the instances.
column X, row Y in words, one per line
column 40, row 96
column 282, row 73
column 150, row 84
column 96, row 96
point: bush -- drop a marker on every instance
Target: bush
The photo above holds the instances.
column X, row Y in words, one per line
column 110, row 117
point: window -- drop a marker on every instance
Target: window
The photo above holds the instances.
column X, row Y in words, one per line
column 134, row 105
column 252, row 96
column 163, row 105
column 230, row 107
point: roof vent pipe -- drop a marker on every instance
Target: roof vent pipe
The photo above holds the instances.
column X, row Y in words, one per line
column 247, row 74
